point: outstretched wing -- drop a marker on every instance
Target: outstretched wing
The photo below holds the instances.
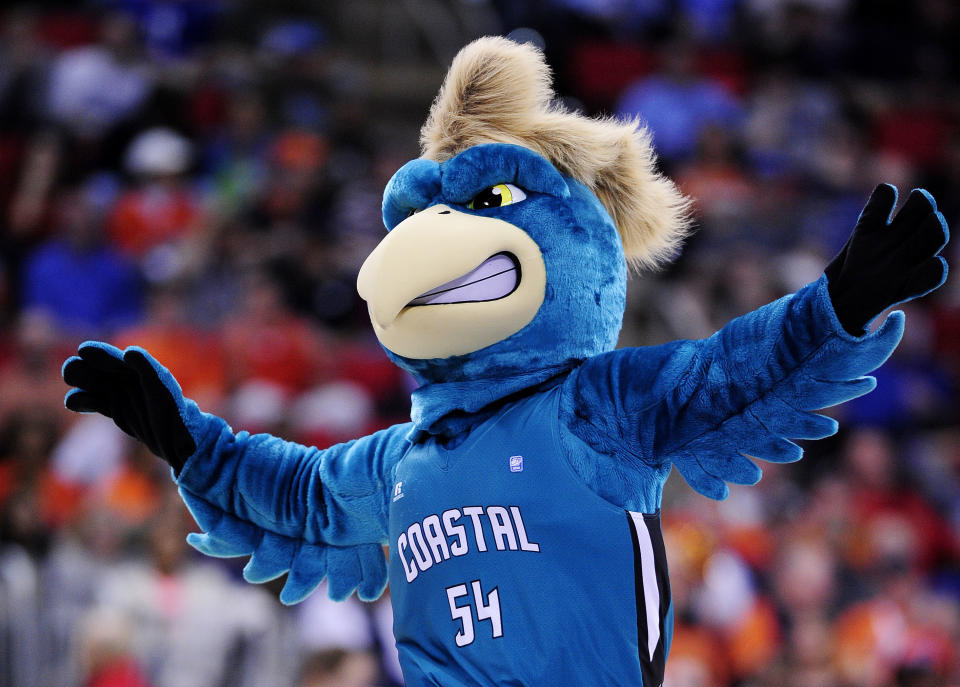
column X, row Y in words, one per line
column 834, row 372
column 361, row 567
column 704, row 406
column 708, row 406
column 294, row 509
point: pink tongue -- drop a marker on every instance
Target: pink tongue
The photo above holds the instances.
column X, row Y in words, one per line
column 494, row 279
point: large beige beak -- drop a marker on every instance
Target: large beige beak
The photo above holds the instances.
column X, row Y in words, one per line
column 430, row 249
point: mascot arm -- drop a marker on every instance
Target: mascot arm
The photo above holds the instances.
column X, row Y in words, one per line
column 748, row 389
column 303, row 511
column 753, row 386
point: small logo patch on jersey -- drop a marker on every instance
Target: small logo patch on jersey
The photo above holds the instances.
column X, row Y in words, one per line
column 398, row 492
column 516, row 463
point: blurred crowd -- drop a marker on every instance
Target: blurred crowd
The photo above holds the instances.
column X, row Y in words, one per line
column 203, row 178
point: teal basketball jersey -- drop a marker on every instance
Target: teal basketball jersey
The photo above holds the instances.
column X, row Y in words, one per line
column 506, row 569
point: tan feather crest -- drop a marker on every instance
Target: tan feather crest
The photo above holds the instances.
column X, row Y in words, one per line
column 498, row 91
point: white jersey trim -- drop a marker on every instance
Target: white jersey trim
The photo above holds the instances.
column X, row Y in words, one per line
column 651, row 592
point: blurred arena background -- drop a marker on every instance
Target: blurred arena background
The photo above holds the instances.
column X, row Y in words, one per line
column 203, row 178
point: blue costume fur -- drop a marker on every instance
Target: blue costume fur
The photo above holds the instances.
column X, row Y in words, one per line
column 627, row 415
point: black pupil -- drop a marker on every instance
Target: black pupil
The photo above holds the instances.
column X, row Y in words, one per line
column 488, row 198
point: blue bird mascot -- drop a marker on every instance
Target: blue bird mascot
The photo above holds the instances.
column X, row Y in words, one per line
column 521, row 503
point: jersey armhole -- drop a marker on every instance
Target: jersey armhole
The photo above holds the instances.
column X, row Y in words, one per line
column 564, row 454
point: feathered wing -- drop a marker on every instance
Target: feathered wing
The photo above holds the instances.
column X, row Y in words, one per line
column 705, row 406
column 360, row 567
column 294, row 509
column 763, row 428
column 310, row 513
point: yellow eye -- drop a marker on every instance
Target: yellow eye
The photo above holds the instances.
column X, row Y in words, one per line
column 496, row 197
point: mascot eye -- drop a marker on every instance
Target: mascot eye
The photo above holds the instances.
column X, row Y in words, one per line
column 496, row 197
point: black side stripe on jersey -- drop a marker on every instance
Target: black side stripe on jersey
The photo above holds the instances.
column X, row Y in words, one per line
column 653, row 594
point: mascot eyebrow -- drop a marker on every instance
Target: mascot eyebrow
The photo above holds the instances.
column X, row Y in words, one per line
column 521, row 503
column 418, row 183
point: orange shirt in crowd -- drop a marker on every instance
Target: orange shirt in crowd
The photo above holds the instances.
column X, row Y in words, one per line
column 196, row 360
column 57, row 502
column 145, row 218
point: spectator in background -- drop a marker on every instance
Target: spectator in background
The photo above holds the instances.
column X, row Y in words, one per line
column 106, row 658
column 805, row 583
column 677, row 104
column 905, row 631
column 786, row 121
column 299, row 192
column 27, row 161
column 234, row 159
column 34, row 501
column 266, row 342
column 81, row 555
column 191, row 625
column 170, row 31
column 161, row 212
column 723, row 193
column 338, row 668
column 918, row 389
column 28, row 376
column 340, row 629
column 76, row 278
column 293, row 54
column 22, row 65
column 895, row 527
column 624, row 17
column 710, row 21
column 195, row 356
column 93, row 89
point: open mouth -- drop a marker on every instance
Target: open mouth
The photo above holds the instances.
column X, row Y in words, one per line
column 497, row 277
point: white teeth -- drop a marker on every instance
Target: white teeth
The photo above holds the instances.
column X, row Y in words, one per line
column 495, row 278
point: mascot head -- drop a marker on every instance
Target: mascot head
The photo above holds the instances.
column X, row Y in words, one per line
column 509, row 238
